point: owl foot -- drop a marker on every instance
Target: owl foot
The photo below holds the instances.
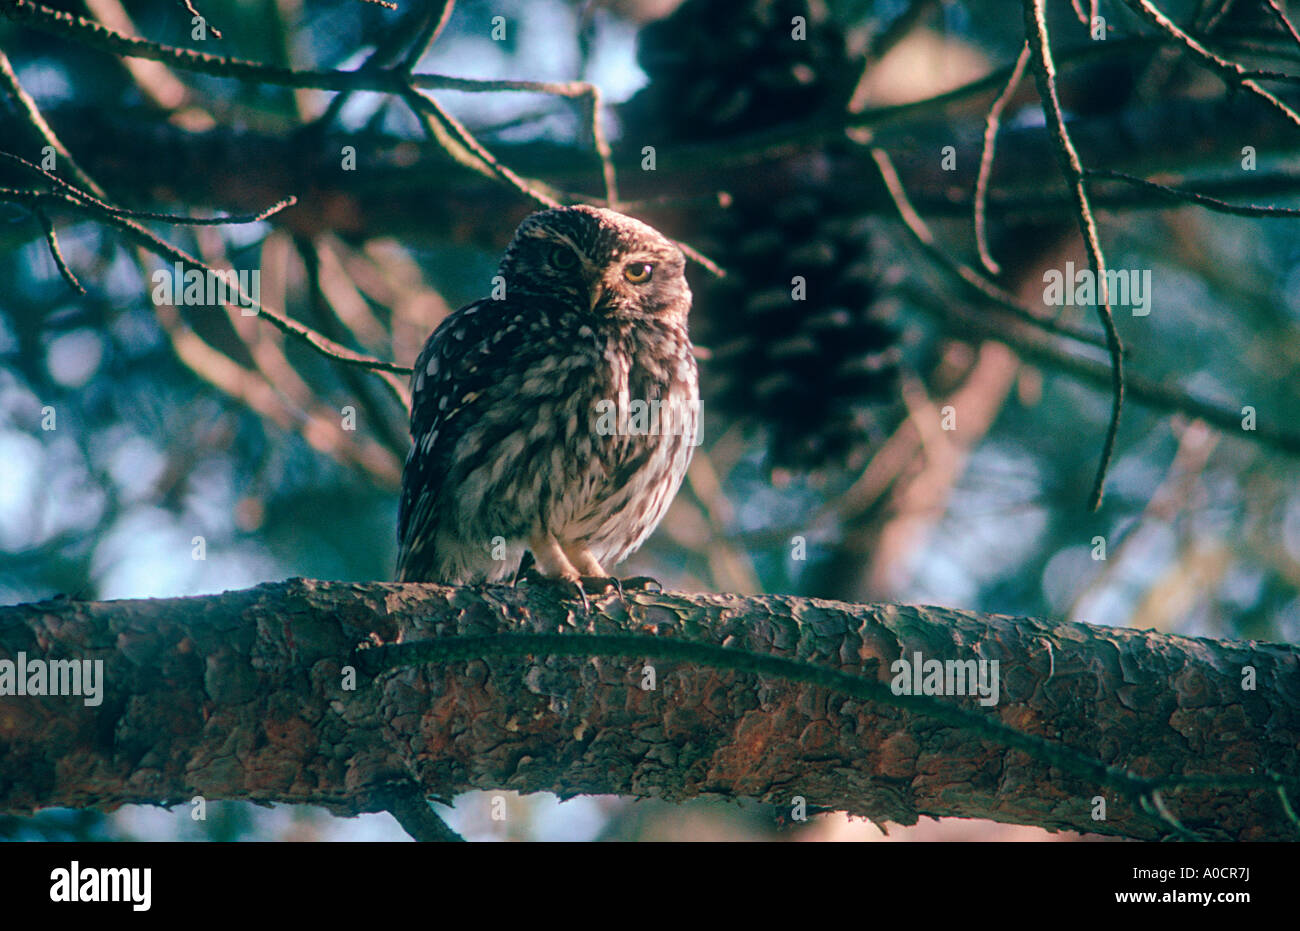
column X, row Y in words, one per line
column 643, row 583
column 525, row 564
column 599, row 584
column 570, row 587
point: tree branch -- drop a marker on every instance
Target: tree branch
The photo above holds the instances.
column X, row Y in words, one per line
column 264, row 695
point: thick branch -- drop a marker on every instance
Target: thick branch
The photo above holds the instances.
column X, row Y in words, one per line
column 242, row 696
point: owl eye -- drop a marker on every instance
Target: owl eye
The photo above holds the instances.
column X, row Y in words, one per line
column 638, row 272
column 562, row 257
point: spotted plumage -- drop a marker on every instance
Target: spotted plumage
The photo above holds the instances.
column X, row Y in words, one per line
column 559, row 418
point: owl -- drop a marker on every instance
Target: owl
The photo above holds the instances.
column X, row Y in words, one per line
column 557, row 417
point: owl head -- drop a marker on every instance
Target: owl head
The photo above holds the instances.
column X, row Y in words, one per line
column 606, row 263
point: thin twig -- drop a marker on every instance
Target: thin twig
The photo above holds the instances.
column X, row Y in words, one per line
column 969, row 276
column 428, row 34
column 695, row 255
column 601, row 145
column 882, row 43
column 1072, row 168
column 384, row 54
column 326, row 347
column 991, row 126
column 29, row 109
column 189, row 5
column 74, row 196
column 1047, row 352
column 78, row 199
column 1282, row 18
column 1230, row 71
column 1217, row 17
column 1192, row 197
column 482, row 160
column 52, row 240
column 1265, row 75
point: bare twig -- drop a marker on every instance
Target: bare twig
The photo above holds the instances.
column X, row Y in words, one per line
column 1037, row 348
column 71, row 195
column 991, row 126
column 430, row 29
column 1282, row 18
column 52, row 240
column 699, row 257
column 287, row 325
column 883, row 42
column 601, row 145
column 412, row 811
column 1217, row 16
column 9, row 79
column 1230, row 71
column 1192, row 197
column 189, row 6
column 1072, row 168
column 973, row 279
column 480, row 160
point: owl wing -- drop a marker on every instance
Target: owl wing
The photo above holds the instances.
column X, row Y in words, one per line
column 456, row 363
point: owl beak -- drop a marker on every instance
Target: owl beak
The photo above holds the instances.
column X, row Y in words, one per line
column 597, row 291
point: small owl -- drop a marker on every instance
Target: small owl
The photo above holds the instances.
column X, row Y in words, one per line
column 558, row 417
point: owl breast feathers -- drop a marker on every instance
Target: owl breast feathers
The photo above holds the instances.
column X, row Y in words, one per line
column 559, row 418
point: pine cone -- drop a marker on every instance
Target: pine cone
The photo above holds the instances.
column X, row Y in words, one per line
column 719, row 69
column 797, row 345
column 806, row 366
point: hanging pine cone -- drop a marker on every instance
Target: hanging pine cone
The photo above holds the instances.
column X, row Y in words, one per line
column 796, row 343
column 797, row 347
column 718, row 69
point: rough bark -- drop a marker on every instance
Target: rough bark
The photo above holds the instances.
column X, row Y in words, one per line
column 240, row 696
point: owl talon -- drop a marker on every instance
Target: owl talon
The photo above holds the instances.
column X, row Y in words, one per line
column 576, row 584
column 599, row 584
column 526, row 565
column 570, row 587
column 643, row 583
